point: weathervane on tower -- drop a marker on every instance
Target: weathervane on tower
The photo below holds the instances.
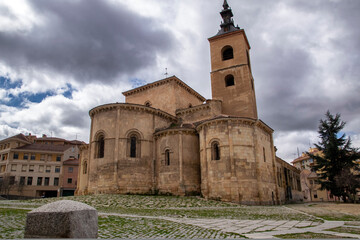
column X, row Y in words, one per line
column 227, row 25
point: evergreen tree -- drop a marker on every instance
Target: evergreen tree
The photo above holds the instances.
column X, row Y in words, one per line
column 336, row 166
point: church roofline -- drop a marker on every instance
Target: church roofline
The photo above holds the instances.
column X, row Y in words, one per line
column 250, row 121
column 164, row 81
column 288, row 165
column 240, row 31
column 167, row 131
column 131, row 106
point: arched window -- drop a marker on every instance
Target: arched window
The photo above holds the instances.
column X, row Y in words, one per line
column 133, row 141
column 229, row 80
column 148, row 103
column 190, row 105
column 85, row 167
column 167, row 157
column 133, row 146
column 100, row 146
column 215, row 151
column 227, row 53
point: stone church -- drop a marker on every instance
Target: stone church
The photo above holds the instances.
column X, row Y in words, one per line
column 168, row 139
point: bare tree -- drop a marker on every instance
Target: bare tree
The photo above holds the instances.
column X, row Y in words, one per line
column 6, row 184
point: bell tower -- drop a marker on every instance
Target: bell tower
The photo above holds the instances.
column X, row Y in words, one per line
column 231, row 77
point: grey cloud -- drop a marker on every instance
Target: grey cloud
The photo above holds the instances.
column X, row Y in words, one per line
column 75, row 117
column 289, row 83
column 282, row 78
column 5, row 12
column 86, row 39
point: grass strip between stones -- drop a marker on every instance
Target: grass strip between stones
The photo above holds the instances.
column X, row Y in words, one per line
column 306, row 235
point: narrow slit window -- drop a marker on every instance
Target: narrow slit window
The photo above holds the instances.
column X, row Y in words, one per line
column 133, row 141
column 264, row 154
column 167, row 157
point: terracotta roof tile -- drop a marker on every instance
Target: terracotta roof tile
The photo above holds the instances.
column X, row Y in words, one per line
column 45, row 147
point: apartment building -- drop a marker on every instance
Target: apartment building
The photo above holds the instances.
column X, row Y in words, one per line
column 32, row 167
column 69, row 177
column 311, row 189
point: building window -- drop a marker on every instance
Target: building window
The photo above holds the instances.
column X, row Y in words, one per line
column 31, row 168
column 46, row 182
column 12, row 180
column 167, row 157
column 315, row 194
column 229, row 80
column 42, row 157
column 39, row 181
column 100, row 147
column 23, row 168
column 133, row 145
column 41, row 168
column 58, row 158
column 57, row 169
column 69, row 180
column 16, row 155
column 215, row 151
column 29, row 181
column 85, row 168
column 32, row 157
column 264, row 154
column 48, row 169
column 56, row 181
column 22, row 180
column 227, row 53
column 26, row 156
column 70, row 169
column 13, row 167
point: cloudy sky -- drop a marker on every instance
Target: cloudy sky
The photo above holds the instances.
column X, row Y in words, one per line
column 60, row 58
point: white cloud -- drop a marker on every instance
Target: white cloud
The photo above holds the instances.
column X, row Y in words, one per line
column 289, row 142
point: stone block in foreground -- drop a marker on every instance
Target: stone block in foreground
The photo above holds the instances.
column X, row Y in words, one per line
column 62, row 219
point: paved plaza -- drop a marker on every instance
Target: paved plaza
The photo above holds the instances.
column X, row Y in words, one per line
column 257, row 229
column 147, row 217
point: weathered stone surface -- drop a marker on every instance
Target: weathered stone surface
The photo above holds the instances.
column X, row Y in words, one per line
column 62, row 219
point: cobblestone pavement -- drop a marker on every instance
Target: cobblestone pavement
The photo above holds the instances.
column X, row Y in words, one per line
column 255, row 229
column 115, row 225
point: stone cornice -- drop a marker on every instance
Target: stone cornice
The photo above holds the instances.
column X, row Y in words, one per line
column 84, row 147
column 245, row 121
column 131, row 106
column 172, row 131
column 264, row 126
column 222, row 69
column 240, row 31
column 221, row 119
column 184, row 111
column 164, row 81
column 288, row 165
